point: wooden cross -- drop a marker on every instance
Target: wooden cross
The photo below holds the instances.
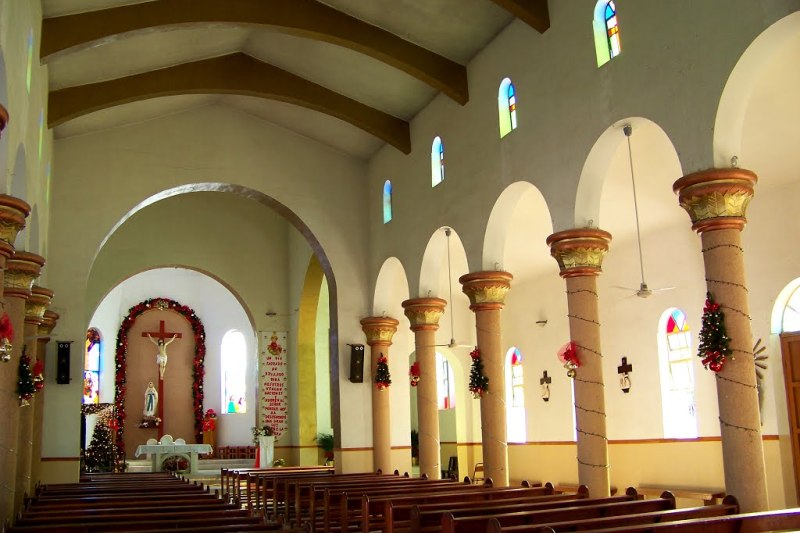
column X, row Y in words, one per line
column 545, row 379
column 161, row 334
column 624, row 368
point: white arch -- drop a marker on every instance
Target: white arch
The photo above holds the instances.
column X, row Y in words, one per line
column 733, row 104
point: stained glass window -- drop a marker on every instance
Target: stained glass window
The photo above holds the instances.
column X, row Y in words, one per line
column 677, row 376
column 91, row 366
column 507, row 107
column 29, row 67
column 515, row 397
column 387, row 201
column 234, row 365
column 606, row 32
column 41, row 132
column 437, row 162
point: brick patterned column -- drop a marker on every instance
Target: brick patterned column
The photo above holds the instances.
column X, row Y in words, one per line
column 45, row 328
column 579, row 254
column 487, row 293
column 379, row 332
column 34, row 316
column 716, row 200
column 13, row 212
column 423, row 315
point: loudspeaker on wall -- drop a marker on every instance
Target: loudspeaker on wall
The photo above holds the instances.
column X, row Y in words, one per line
column 357, row 363
column 62, row 363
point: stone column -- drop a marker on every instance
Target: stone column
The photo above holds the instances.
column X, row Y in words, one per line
column 579, row 253
column 423, row 315
column 12, row 219
column 487, row 293
column 45, row 328
column 34, row 315
column 379, row 332
column 21, row 270
column 716, row 200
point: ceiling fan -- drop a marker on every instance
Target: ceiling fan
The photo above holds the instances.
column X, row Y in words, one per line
column 643, row 291
column 452, row 343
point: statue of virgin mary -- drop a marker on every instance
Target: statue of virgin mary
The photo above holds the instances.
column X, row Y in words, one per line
column 150, row 400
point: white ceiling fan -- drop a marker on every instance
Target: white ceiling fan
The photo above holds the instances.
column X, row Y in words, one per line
column 643, row 291
column 452, row 343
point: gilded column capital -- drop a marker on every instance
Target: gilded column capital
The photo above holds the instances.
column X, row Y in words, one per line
column 486, row 290
column 424, row 313
column 13, row 212
column 716, row 198
column 48, row 324
column 36, row 305
column 379, row 329
column 580, row 251
column 21, row 271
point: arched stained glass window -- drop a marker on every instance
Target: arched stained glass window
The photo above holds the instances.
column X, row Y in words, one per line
column 515, row 397
column 387, row 201
column 437, row 162
column 507, row 107
column 234, row 365
column 91, row 366
column 445, row 389
column 677, row 375
column 606, row 32
column 29, row 66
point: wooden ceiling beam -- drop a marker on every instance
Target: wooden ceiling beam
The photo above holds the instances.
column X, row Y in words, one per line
column 304, row 18
column 231, row 74
column 534, row 13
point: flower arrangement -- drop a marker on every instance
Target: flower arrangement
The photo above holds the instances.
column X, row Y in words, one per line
column 210, row 421
column 279, row 462
column 413, row 373
column 568, row 355
column 478, row 382
column 263, row 431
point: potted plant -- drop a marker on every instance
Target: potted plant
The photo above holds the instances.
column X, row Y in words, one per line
column 414, row 447
column 325, row 441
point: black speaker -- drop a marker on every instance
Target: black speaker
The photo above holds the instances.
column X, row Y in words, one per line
column 357, row 363
column 62, row 363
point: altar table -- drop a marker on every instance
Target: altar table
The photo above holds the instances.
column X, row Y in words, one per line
column 159, row 452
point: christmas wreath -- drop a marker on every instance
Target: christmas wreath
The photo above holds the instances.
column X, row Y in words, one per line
column 478, row 382
column 714, row 341
column 198, row 369
column 413, row 373
column 382, row 377
column 568, row 355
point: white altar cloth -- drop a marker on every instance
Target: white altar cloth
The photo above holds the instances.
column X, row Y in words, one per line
column 158, row 452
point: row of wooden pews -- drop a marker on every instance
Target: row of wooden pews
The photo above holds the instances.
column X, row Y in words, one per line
column 120, row 503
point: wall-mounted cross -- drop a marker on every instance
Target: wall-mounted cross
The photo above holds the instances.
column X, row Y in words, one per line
column 545, row 379
column 624, row 368
column 162, row 333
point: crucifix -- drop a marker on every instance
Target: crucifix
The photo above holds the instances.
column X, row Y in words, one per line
column 161, row 359
column 624, row 379
column 545, row 383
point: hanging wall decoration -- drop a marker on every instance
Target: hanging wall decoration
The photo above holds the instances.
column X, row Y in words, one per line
column 38, row 375
column 25, row 385
column 6, row 338
column 273, row 409
column 478, row 382
column 382, row 376
column 413, row 374
column 714, row 341
column 198, row 364
column 568, row 355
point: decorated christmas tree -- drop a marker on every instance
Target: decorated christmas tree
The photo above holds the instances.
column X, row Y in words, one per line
column 714, row 342
column 478, row 382
column 25, row 385
column 382, row 377
column 99, row 456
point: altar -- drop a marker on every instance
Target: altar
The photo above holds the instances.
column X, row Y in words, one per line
column 159, row 452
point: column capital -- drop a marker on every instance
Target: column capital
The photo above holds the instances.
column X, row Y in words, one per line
column 424, row 313
column 48, row 324
column 379, row 329
column 21, row 271
column 579, row 251
column 36, row 305
column 716, row 198
column 486, row 290
column 13, row 212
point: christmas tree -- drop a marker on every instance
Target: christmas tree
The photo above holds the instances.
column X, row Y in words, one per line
column 382, row 377
column 99, row 456
column 714, row 339
column 478, row 382
column 25, row 385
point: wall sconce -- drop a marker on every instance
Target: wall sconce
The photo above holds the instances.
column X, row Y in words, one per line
column 541, row 323
column 624, row 379
column 545, row 383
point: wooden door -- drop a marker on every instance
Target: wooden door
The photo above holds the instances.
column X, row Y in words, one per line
column 790, row 351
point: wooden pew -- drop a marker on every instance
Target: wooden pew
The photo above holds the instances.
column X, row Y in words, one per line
column 277, row 489
column 708, row 496
column 586, row 509
column 781, row 520
column 231, row 479
column 264, row 492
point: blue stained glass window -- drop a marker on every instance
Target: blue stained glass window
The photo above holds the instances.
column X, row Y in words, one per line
column 507, row 107
column 387, row 201
column 437, row 162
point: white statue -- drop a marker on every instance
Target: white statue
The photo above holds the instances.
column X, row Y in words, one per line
column 161, row 356
column 150, row 400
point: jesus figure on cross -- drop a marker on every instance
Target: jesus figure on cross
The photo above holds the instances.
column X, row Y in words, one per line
column 161, row 356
